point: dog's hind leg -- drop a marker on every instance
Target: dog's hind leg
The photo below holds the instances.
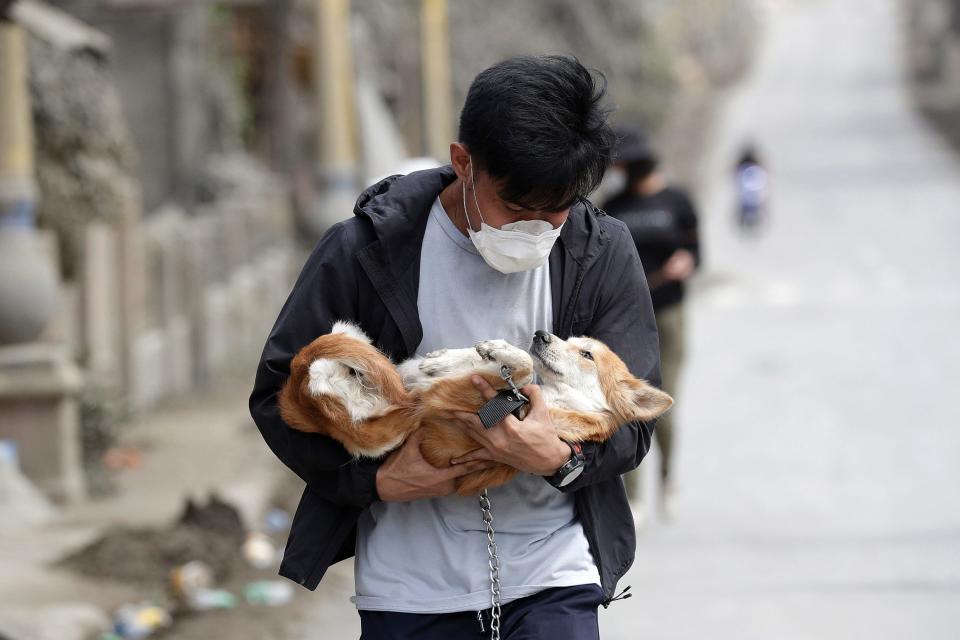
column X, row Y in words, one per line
column 422, row 372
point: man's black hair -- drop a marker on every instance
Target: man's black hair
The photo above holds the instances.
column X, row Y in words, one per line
column 539, row 127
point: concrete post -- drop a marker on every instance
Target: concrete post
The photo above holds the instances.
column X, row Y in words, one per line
column 335, row 119
column 435, row 63
column 38, row 381
column 28, row 284
column 39, row 411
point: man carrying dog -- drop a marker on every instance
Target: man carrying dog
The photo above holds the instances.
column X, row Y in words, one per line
column 499, row 244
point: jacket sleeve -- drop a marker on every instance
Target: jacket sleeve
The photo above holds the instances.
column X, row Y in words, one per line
column 324, row 292
column 624, row 321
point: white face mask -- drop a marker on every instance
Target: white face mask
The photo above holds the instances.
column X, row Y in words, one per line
column 516, row 246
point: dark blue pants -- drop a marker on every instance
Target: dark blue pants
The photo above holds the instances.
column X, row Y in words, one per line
column 564, row 613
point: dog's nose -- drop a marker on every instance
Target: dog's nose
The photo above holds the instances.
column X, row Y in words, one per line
column 541, row 336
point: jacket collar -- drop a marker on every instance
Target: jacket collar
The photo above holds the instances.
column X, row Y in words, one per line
column 398, row 207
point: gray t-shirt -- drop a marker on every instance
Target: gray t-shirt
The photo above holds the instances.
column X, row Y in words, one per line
column 430, row 556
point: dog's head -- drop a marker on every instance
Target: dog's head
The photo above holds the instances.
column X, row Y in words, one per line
column 594, row 378
column 339, row 378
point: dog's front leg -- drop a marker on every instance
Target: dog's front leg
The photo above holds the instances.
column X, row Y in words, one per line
column 440, row 364
column 500, row 353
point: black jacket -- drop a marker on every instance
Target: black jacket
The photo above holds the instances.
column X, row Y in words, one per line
column 367, row 269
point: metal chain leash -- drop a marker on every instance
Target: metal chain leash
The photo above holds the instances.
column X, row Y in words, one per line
column 491, row 413
column 494, row 563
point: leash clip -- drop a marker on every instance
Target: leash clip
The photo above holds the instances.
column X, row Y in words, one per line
column 507, row 375
column 504, row 403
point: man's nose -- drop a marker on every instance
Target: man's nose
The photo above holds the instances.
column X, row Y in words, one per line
column 541, row 336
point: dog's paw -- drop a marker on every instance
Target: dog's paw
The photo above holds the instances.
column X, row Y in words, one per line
column 503, row 353
column 490, row 349
column 434, row 363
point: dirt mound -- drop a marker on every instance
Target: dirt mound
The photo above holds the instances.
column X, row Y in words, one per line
column 216, row 516
column 213, row 532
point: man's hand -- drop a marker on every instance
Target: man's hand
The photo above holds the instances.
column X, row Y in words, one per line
column 530, row 445
column 679, row 266
column 405, row 475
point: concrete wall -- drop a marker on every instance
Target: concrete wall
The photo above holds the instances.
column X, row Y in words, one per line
column 178, row 286
column 214, row 281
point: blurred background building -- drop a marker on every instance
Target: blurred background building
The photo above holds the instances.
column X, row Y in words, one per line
column 184, row 152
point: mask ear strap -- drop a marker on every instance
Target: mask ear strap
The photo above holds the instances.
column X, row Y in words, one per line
column 473, row 185
column 463, row 194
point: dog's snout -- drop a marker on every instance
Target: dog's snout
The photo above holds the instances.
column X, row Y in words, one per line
column 541, row 336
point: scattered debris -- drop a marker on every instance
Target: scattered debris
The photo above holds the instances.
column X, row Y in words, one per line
column 258, row 551
column 122, row 458
column 270, row 593
column 276, row 520
column 136, row 621
column 187, row 579
column 191, row 584
column 207, row 599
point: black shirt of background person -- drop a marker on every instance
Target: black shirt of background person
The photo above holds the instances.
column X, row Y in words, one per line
column 660, row 224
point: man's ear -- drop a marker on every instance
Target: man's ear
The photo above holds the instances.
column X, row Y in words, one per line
column 351, row 330
column 460, row 159
column 638, row 400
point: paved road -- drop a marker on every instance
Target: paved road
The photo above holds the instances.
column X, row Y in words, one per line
column 820, row 436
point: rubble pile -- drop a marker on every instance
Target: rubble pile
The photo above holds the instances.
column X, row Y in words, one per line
column 213, row 533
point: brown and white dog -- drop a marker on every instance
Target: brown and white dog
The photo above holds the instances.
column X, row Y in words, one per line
column 342, row 386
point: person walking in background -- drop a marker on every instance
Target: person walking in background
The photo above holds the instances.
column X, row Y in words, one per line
column 751, row 182
column 663, row 223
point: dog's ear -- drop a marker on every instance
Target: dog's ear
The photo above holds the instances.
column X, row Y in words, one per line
column 639, row 400
column 351, row 330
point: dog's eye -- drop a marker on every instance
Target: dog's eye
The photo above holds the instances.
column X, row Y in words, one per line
column 587, row 355
column 354, row 372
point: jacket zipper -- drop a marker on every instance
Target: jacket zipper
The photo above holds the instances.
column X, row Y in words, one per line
column 566, row 326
